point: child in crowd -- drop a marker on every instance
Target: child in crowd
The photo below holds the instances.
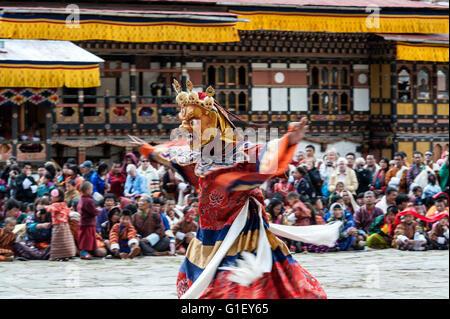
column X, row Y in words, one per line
column 87, row 238
column 439, row 234
column 382, row 230
column 185, row 231
column 7, row 240
column 62, row 244
column 408, row 235
column 71, row 192
column 123, row 238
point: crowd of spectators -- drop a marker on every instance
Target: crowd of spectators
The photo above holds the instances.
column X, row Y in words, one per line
column 140, row 208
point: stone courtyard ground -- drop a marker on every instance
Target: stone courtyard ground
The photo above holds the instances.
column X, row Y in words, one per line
column 373, row 274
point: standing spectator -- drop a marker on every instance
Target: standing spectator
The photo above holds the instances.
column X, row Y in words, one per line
column 150, row 173
column 388, row 199
column 135, row 184
column 350, row 157
column 379, row 179
column 4, row 175
column 430, row 162
column 130, row 159
column 314, row 176
column 371, row 165
column 117, row 180
column 343, row 174
column 327, row 170
column 364, row 176
column 26, row 186
column 150, row 227
column 62, row 244
column 399, row 171
column 87, row 170
column 87, row 238
column 99, row 179
column 365, row 215
column 310, row 152
column 444, row 174
column 416, row 168
column 4, row 190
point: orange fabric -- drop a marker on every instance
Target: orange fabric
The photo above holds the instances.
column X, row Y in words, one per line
column 146, row 150
column 127, row 233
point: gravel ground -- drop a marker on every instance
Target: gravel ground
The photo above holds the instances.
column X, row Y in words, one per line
column 372, row 274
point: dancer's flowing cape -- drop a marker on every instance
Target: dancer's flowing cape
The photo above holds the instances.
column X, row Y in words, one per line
column 235, row 253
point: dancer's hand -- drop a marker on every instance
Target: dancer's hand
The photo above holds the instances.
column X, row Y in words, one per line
column 137, row 141
column 297, row 131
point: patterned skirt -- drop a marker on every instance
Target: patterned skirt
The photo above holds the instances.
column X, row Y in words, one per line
column 62, row 245
column 286, row 280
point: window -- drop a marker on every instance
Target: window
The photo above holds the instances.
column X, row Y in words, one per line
column 231, row 75
column 242, row 102
column 232, row 101
column 334, row 76
column 242, row 76
column 442, row 83
column 222, row 99
column 315, row 102
column 315, row 76
column 211, row 75
column 327, row 84
column 404, row 84
column 423, row 84
column 344, row 102
column 324, row 76
column 221, row 77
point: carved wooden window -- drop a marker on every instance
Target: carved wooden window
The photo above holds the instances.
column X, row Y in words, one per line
column 329, row 88
column 242, row 102
column 231, row 75
column 242, row 75
column 424, row 84
column 404, row 84
column 442, row 83
column 211, row 75
column 221, row 75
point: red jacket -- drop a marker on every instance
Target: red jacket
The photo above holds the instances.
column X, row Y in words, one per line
column 88, row 211
column 117, row 183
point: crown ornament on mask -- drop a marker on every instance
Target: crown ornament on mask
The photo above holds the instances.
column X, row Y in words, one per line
column 191, row 97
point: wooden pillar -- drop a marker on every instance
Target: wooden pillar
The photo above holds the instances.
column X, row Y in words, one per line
column 133, row 93
column 80, row 106
column 15, row 128
column 48, row 129
column 81, row 155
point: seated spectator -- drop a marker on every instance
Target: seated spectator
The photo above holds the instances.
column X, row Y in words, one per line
column 149, row 226
column 283, row 187
column 440, row 206
column 123, row 238
column 339, row 189
column 402, row 202
column 388, row 199
column 39, row 225
column 347, row 232
column 343, row 174
column 360, row 199
column 135, row 184
column 417, row 193
column 109, row 201
column 99, row 179
column 408, row 235
column 382, row 230
column 318, row 207
column 113, row 218
column 26, row 186
column 7, row 240
column 432, row 188
column 275, row 211
column 150, row 173
column 47, row 185
column 185, row 231
column 299, row 210
column 302, row 184
column 439, row 234
column 156, row 208
column 71, row 192
column 12, row 209
column 350, row 204
column 366, row 214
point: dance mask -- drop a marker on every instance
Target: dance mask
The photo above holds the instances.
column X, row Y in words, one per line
column 201, row 116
